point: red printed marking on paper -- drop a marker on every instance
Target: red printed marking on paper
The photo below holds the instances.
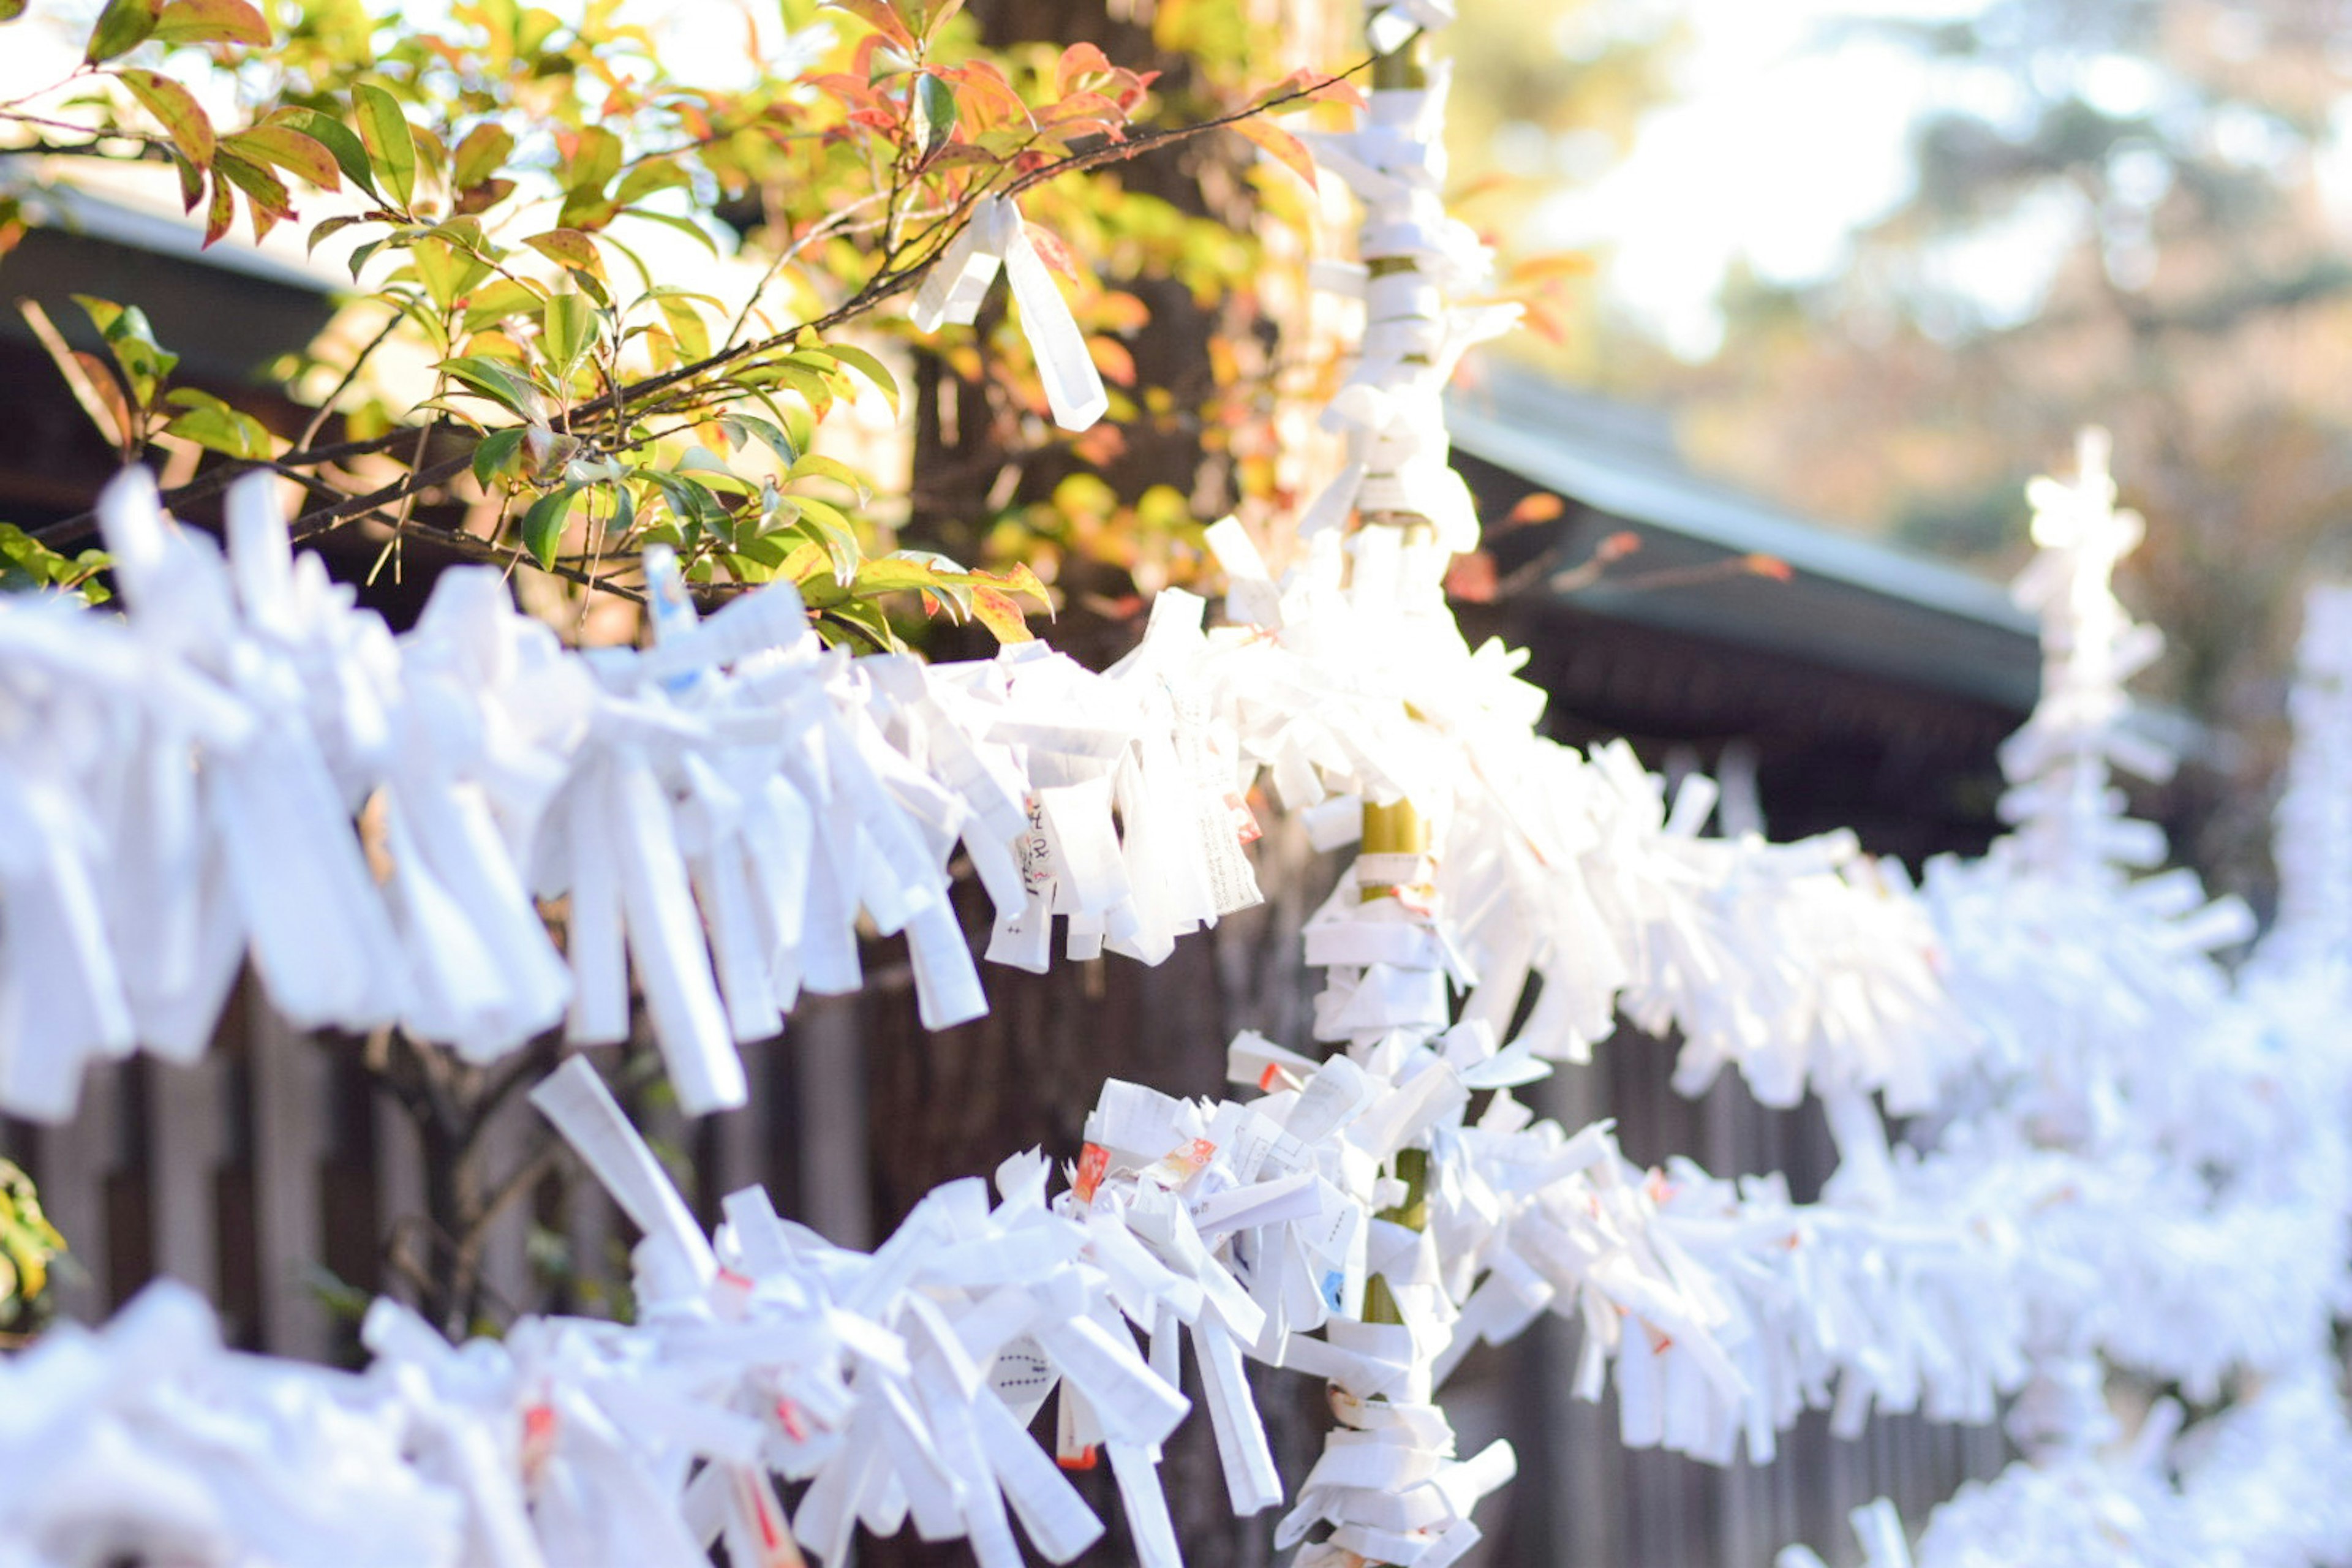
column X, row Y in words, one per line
column 1179, row 1166
column 537, row 1441
column 1094, row 1165
column 788, row 1416
column 1084, row 1460
column 1245, row 827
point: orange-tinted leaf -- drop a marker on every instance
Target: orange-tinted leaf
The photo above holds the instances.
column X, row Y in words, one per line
column 290, row 150
column 1111, row 358
column 881, row 16
column 1287, row 149
column 1541, row 506
column 1770, row 566
column 175, row 108
column 1079, row 61
column 997, row 611
column 213, row 22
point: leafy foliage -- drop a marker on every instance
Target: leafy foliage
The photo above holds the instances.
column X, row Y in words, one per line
column 28, row 1244
column 488, row 181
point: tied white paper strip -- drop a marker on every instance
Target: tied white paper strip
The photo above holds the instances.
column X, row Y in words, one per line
column 952, row 291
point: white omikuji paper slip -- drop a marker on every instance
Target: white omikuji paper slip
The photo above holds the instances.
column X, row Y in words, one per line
column 2129, row 1157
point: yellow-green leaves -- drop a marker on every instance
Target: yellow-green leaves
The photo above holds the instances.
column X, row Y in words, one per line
column 214, row 426
column 391, row 144
column 144, row 363
column 29, row 566
column 212, row 22
column 122, row 27
column 175, row 108
column 284, row 147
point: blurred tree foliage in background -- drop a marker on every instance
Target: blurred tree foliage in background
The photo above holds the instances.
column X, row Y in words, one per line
column 2126, row 212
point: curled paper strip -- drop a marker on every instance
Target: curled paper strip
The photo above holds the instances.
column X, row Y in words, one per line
column 958, row 280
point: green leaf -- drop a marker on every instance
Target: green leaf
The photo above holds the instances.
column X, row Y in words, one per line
column 391, row 144
column 214, row 425
column 495, row 454
column 122, row 27
column 595, row 159
column 542, row 524
column 482, row 153
column 830, row 527
column 694, row 507
column 350, row 152
column 288, row 148
column 497, row 299
column 330, row 225
column 865, row 618
column 175, row 108
column 660, row 175
column 765, row 432
column 213, row 22
column 133, row 344
column 930, row 113
column 11, row 9
column 871, row 368
column 570, row 247
column 815, row 465
column 500, row 384
column 685, row 323
column 445, row 271
column 570, row 328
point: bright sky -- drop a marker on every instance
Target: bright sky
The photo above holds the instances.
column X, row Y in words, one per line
column 1775, row 147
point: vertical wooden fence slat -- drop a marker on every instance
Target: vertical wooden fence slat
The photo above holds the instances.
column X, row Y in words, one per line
column 290, row 1115
column 188, row 1119
column 834, row 1197
column 399, row 1190
column 76, row 1157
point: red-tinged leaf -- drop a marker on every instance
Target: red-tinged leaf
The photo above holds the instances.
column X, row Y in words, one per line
column 940, row 18
column 1053, row 252
column 1287, row 149
column 1111, row 358
column 1018, row 578
column 175, row 108
column 482, row 198
column 265, row 193
column 290, row 150
column 1541, row 506
column 105, row 393
column 571, row 248
column 192, row 183
column 881, row 16
column 213, row 22
column 989, row 98
column 223, row 211
column 1079, row 61
column 997, row 611
column 1471, row 579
